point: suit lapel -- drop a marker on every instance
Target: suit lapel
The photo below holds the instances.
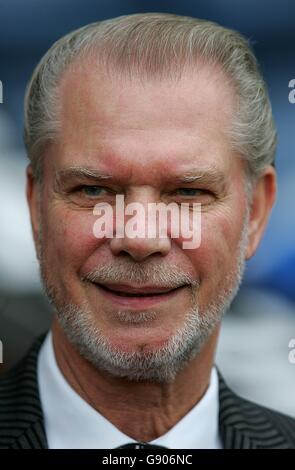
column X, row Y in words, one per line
column 242, row 424
column 245, row 425
column 20, row 409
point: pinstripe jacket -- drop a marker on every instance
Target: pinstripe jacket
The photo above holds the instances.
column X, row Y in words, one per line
column 242, row 424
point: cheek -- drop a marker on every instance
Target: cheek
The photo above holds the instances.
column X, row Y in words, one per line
column 68, row 237
column 216, row 255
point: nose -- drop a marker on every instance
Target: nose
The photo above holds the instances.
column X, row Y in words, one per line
column 144, row 245
column 140, row 248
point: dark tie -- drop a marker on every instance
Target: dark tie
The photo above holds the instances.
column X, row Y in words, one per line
column 140, row 445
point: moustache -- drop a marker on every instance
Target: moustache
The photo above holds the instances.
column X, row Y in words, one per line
column 162, row 276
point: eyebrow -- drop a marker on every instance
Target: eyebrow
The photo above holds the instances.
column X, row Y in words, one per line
column 78, row 172
column 209, row 175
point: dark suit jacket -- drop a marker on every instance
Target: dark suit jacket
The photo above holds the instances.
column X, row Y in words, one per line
column 242, row 424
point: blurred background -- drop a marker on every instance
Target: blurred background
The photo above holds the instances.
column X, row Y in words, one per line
column 253, row 350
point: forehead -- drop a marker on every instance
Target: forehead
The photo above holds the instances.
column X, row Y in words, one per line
column 133, row 122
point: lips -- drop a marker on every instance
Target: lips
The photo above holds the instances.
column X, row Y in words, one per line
column 136, row 298
column 130, row 291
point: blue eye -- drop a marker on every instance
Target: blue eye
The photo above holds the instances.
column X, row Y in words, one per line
column 92, row 191
column 189, row 191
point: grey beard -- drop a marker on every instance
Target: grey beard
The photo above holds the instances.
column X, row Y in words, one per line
column 159, row 366
column 163, row 364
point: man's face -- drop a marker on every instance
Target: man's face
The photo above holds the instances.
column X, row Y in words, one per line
column 145, row 135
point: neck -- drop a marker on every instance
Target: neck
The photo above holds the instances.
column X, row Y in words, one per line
column 141, row 410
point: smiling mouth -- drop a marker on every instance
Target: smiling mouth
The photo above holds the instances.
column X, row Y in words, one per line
column 121, row 292
column 136, row 298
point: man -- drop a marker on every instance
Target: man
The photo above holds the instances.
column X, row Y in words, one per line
column 155, row 108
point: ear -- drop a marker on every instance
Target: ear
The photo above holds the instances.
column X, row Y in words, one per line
column 33, row 195
column 263, row 198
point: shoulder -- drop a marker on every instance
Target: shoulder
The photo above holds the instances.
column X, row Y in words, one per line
column 254, row 425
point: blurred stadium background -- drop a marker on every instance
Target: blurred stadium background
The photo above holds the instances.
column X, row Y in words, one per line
column 253, row 350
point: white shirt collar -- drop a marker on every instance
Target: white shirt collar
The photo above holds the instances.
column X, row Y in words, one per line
column 71, row 423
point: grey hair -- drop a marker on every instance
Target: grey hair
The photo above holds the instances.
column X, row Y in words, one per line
column 162, row 45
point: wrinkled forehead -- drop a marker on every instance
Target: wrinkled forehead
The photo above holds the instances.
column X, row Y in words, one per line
column 151, row 124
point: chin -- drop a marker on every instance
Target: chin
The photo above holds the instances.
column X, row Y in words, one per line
column 140, row 344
